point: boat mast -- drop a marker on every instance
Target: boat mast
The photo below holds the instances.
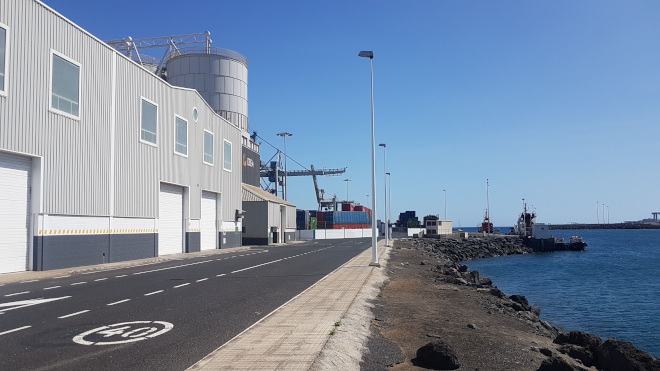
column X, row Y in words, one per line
column 487, row 201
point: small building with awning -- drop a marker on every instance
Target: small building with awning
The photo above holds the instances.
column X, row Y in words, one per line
column 267, row 219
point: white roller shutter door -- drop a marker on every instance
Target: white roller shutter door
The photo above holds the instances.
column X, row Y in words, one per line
column 208, row 221
column 170, row 220
column 14, row 212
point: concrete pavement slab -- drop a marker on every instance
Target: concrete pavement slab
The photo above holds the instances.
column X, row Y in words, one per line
column 292, row 336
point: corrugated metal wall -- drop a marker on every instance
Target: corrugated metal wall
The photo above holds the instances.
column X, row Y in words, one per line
column 77, row 165
column 77, row 175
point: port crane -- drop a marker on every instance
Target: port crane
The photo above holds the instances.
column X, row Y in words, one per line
column 272, row 175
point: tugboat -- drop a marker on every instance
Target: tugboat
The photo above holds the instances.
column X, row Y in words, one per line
column 537, row 235
column 486, row 225
column 525, row 221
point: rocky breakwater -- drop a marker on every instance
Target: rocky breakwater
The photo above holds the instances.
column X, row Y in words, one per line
column 575, row 351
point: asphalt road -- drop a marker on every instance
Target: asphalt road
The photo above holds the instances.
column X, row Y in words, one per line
column 164, row 316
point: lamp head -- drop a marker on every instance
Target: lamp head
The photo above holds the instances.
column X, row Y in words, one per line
column 366, row 54
column 382, row 145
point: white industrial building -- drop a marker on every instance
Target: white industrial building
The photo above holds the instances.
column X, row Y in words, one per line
column 438, row 226
column 101, row 160
column 268, row 219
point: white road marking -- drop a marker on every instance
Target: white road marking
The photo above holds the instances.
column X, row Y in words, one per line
column 62, row 276
column 119, row 302
column 26, row 303
column 101, row 279
column 155, row 292
column 53, row 287
column 2, row 284
column 255, row 266
column 220, row 275
column 74, row 314
column 178, row 266
column 14, row 330
column 123, row 275
column 18, row 293
column 181, row 285
column 126, row 332
column 77, row 283
column 201, row 280
column 30, row 281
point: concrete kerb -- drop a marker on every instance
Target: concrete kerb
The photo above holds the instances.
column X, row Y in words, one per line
column 36, row 275
column 293, row 335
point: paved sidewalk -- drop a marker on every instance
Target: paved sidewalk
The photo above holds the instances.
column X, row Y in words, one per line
column 292, row 336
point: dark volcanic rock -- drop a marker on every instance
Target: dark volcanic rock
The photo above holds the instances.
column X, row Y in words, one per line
column 580, row 338
column 558, row 364
column 582, row 354
column 617, row 355
column 437, row 355
column 546, row 352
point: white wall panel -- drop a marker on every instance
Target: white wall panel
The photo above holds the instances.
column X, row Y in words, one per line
column 14, row 212
column 170, row 220
column 208, row 222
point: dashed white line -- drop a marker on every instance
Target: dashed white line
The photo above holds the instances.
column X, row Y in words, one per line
column 181, row 285
column 14, row 330
column 178, row 266
column 220, row 275
column 119, row 302
column 101, row 279
column 255, row 266
column 153, row 293
column 201, row 280
column 123, row 275
column 74, row 314
column 62, row 276
column 52, row 287
column 30, row 281
column 18, row 293
column 78, row 283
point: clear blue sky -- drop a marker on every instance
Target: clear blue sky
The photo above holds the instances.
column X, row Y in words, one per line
column 557, row 102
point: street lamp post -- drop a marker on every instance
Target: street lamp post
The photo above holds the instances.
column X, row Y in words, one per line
column 387, row 227
column 347, row 180
column 389, row 202
column 374, row 233
column 286, row 183
column 445, row 191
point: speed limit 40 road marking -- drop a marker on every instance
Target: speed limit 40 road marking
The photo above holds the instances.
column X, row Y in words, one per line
column 125, row 332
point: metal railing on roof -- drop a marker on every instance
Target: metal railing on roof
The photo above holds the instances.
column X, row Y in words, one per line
column 207, row 50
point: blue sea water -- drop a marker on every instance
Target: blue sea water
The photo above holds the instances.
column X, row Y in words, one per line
column 612, row 289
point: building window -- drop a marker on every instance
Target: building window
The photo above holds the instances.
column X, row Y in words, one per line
column 148, row 121
column 208, row 147
column 65, row 85
column 195, row 114
column 3, row 59
column 227, row 156
column 180, row 136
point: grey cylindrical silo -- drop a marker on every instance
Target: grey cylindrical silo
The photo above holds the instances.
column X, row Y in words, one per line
column 220, row 76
